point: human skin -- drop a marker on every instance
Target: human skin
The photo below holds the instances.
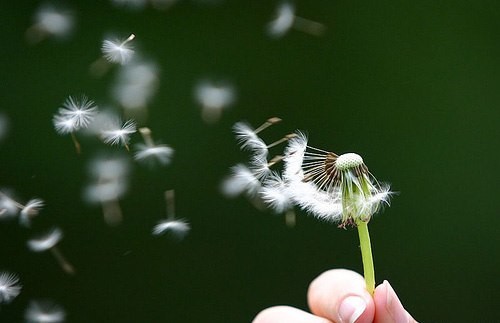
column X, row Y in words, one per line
column 339, row 296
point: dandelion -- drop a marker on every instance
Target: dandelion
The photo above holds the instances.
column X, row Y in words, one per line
column 286, row 19
column 109, row 184
column 151, row 152
column 213, row 98
column 44, row 311
column 50, row 21
column 178, row 228
column 118, row 133
column 75, row 114
column 337, row 188
column 49, row 241
column 9, row 287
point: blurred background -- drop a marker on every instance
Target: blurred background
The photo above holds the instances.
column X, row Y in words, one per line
column 410, row 86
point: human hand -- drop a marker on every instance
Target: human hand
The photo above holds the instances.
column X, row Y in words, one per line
column 339, row 296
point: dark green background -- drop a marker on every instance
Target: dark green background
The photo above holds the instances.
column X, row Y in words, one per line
column 412, row 86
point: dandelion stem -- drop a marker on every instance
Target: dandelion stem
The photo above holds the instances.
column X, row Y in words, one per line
column 366, row 255
column 112, row 212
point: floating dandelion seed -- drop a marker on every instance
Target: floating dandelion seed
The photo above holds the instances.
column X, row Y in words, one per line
column 75, row 114
column 44, row 311
column 109, row 183
column 30, row 210
column 286, row 19
column 118, row 133
column 151, row 152
column 177, row 228
column 9, row 287
column 114, row 51
column 10, row 207
column 249, row 180
column 50, row 21
column 213, row 98
column 135, row 85
column 49, row 241
column 117, row 51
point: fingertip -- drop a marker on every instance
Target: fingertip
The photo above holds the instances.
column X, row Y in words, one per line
column 388, row 306
column 340, row 295
column 286, row 314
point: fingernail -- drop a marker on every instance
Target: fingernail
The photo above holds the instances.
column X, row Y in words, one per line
column 394, row 306
column 351, row 309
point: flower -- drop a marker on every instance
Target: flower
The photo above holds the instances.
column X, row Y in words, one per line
column 30, row 210
column 179, row 228
column 117, row 133
column 118, row 51
column 9, row 287
column 44, row 311
column 332, row 187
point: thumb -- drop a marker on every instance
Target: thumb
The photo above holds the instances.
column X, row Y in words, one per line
column 388, row 307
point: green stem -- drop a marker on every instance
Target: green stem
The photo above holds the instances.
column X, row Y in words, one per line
column 366, row 255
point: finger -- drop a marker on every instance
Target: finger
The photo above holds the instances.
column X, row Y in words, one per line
column 388, row 306
column 286, row 314
column 340, row 295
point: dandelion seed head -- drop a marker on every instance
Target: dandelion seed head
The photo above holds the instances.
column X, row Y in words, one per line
column 46, row 240
column 9, row 287
column 178, row 228
column 44, row 311
column 118, row 51
column 348, row 161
